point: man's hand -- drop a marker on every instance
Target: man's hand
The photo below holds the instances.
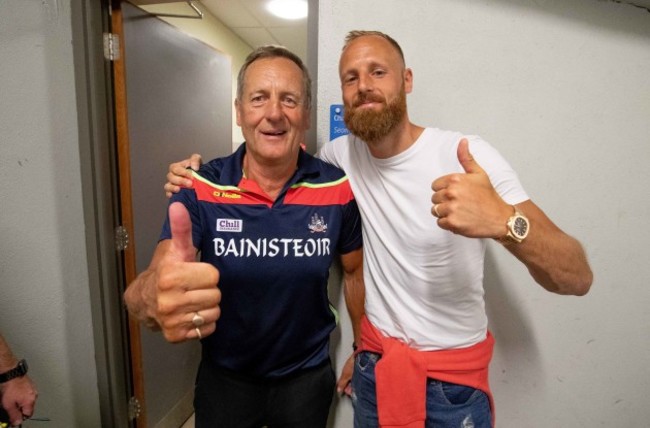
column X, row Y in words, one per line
column 344, row 384
column 179, row 176
column 18, row 399
column 175, row 288
column 467, row 204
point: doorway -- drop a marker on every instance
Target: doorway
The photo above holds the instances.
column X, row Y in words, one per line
column 172, row 97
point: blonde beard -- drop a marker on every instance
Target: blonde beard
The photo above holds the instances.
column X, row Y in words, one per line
column 372, row 126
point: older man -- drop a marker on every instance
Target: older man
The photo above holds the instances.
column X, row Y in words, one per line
column 268, row 221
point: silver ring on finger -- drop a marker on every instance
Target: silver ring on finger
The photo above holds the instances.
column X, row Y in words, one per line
column 435, row 210
column 198, row 333
column 197, row 320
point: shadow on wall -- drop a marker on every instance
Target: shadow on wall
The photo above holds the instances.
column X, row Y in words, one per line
column 515, row 337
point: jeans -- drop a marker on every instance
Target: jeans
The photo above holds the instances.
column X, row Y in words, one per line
column 448, row 405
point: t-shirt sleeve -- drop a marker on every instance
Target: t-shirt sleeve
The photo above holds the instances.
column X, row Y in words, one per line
column 502, row 176
column 330, row 151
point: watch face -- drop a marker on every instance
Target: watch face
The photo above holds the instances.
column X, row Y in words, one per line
column 22, row 366
column 520, row 227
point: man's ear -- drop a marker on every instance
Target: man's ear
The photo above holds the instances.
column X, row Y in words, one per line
column 408, row 80
column 238, row 116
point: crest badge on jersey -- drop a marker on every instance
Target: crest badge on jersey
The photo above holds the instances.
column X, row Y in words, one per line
column 317, row 224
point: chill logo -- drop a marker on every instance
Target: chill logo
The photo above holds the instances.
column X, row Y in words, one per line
column 317, row 224
column 229, row 225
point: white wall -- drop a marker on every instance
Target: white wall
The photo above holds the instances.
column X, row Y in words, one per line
column 44, row 303
column 562, row 89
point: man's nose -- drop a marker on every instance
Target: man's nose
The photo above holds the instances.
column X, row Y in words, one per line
column 274, row 109
column 365, row 83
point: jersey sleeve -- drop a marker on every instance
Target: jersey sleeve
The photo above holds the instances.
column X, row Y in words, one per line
column 351, row 235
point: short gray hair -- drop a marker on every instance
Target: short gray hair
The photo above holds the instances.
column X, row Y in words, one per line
column 273, row 51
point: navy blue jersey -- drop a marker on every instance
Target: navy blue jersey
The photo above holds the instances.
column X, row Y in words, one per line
column 273, row 258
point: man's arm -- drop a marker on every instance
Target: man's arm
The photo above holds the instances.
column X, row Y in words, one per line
column 468, row 204
column 355, row 296
column 554, row 259
column 18, row 394
column 175, row 288
column 354, row 289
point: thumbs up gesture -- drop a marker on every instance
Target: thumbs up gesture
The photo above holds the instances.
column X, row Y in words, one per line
column 466, row 203
column 177, row 294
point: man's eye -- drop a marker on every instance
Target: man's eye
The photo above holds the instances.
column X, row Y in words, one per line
column 290, row 102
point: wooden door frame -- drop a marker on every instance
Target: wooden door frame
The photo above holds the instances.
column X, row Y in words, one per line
column 126, row 205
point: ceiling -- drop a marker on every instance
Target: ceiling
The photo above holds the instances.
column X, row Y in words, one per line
column 250, row 20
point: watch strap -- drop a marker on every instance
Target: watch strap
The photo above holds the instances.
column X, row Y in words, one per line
column 19, row 371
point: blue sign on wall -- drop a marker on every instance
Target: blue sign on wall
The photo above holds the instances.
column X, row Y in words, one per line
column 337, row 126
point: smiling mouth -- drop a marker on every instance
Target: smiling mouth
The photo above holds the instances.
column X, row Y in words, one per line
column 368, row 104
column 367, row 101
column 274, row 133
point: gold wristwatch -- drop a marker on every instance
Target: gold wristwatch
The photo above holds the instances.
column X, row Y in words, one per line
column 517, row 228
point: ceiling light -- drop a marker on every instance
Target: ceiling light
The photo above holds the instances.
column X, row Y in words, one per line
column 288, row 9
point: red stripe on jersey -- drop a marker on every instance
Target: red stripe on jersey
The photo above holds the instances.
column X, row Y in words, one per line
column 232, row 195
column 335, row 193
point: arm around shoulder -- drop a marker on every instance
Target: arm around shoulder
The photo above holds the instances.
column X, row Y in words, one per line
column 554, row 259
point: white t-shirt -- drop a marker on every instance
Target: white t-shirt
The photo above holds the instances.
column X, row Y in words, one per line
column 424, row 285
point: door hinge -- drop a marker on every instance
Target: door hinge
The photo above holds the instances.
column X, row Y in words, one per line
column 134, row 408
column 111, row 46
column 121, row 238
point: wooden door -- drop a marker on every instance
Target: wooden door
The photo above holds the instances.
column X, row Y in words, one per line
column 172, row 98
